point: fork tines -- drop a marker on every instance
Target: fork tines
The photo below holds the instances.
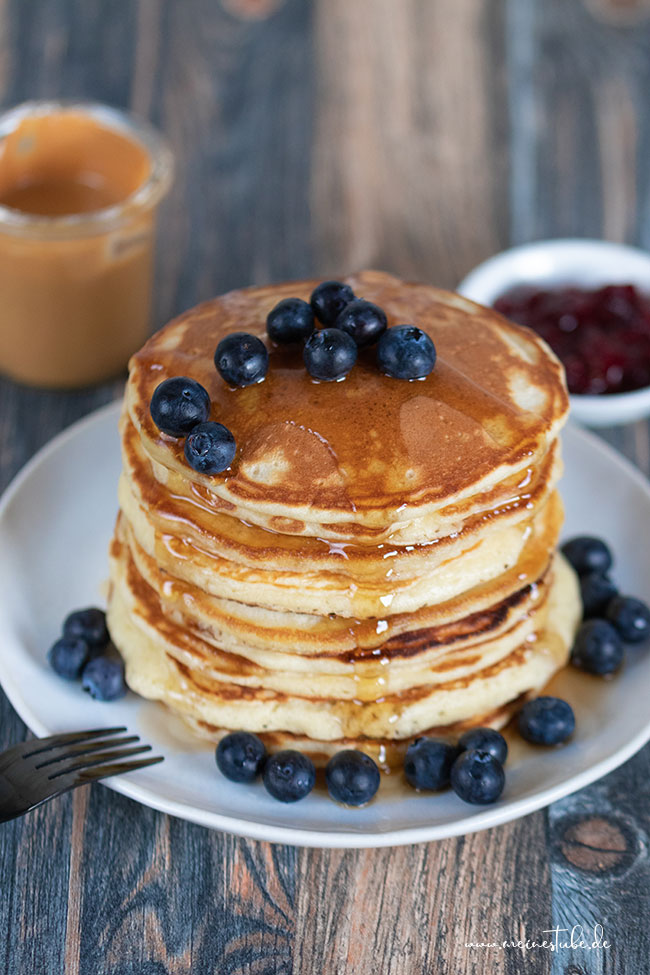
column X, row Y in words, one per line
column 45, row 744
column 32, row 772
column 71, row 755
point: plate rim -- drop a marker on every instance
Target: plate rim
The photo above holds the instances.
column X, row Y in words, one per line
column 302, row 836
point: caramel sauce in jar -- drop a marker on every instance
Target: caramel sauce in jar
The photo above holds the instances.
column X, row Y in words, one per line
column 79, row 188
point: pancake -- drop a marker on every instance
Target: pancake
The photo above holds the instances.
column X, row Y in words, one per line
column 371, row 456
column 244, row 628
column 175, row 509
column 379, row 559
column 419, row 647
column 164, row 663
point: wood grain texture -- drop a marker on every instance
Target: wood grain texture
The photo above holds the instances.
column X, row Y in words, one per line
column 235, row 98
column 579, row 133
column 579, row 122
column 600, row 873
column 410, row 162
column 314, row 137
column 414, row 909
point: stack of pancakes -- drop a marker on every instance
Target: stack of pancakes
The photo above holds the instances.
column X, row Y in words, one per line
column 380, row 559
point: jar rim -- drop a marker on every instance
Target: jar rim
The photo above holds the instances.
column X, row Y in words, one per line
column 144, row 197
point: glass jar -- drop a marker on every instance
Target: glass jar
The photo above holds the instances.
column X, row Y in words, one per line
column 79, row 188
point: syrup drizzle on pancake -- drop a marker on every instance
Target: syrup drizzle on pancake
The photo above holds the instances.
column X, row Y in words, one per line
column 379, row 559
column 367, row 443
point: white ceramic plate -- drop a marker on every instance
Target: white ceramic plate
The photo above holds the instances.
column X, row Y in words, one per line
column 55, row 524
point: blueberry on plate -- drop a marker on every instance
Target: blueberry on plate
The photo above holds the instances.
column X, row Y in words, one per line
column 289, row 775
column 88, row 625
column 597, row 648
column 210, row 448
column 352, row 777
column 362, row 320
column 68, row 657
column 292, row 320
column 241, row 359
column 630, row 617
column 406, row 352
column 179, row 404
column 428, row 761
column 240, row 756
column 477, row 777
column 546, row 721
column 485, row 740
column 588, row 554
column 329, row 354
column 103, row 678
column 596, row 590
column 329, row 299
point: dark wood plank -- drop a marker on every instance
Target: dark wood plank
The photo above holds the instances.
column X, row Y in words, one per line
column 68, row 49
column 580, row 122
column 177, row 898
column 410, row 160
column 414, row 909
column 580, row 128
column 235, row 97
column 600, row 873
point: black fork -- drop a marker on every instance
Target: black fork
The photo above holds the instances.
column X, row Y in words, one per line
column 37, row 770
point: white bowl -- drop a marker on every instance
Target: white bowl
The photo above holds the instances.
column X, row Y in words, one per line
column 587, row 263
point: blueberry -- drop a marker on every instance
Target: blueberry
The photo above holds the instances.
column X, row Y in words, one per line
column 241, row 359
column 240, row 756
column 485, row 740
column 89, row 625
column 597, row 648
column 290, row 321
column 546, row 721
column 210, row 448
column 477, row 777
column 329, row 354
column 362, row 320
column 428, row 762
column 179, row 404
column 630, row 617
column 352, row 777
column 103, row 678
column 406, row 352
column 597, row 590
column 289, row 776
column 68, row 656
column 329, row 299
column 587, row 554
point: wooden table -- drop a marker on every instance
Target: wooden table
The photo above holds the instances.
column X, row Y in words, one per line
column 418, row 136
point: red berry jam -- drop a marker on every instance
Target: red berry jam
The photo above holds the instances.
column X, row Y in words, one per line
column 601, row 336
